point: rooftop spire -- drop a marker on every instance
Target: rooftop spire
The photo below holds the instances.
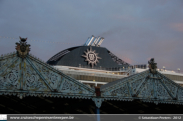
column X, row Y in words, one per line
column 152, row 66
column 22, row 47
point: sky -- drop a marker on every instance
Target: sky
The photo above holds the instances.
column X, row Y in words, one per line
column 134, row 30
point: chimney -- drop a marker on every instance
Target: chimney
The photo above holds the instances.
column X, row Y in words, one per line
column 87, row 41
column 90, row 41
column 100, row 41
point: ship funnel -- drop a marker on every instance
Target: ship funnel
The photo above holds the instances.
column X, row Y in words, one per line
column 95, row 44
column 87, row 41
column 90, row 41
column 94, row 41
column 100, row 41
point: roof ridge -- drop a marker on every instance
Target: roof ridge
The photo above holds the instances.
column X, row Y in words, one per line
column 122, row 79
column 8, row 55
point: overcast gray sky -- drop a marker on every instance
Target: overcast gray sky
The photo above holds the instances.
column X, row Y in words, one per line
column 134, row 30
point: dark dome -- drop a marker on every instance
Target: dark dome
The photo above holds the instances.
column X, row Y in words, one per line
column 74, row 57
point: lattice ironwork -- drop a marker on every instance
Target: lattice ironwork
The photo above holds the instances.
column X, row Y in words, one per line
column 30, row 76
column 145, row 86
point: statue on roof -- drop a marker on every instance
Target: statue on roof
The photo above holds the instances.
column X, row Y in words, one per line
column 22, row 48
column 152, row 66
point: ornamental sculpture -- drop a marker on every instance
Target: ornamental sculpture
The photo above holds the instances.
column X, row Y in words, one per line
column 22, row 48
column 91, row 57
column 152, row 66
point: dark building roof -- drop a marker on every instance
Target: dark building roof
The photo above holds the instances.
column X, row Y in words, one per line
column 73, row 57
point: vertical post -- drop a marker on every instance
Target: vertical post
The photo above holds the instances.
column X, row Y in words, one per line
column 21, row 73
column 164, row 68
column 98, row 113
column 95, row 84
column 97, row 102
column 178, row 70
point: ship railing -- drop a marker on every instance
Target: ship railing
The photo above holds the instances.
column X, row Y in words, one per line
column 124, row 69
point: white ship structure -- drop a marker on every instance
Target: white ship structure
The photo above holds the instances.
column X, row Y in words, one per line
column 95, row 66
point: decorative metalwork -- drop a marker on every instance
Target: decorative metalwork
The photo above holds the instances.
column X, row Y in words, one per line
column 5, row 62
column 22, row 48
column 33, row 81
column 171, row 87
column 31, row 75
column 71, row 87
column 147, row 91
column 180, row 94
column 2, row 63
column 162, row 93
column 51, row 76
column 91, row 57
column 9, row 79
column 98, row 101
column 135, row 84
column 122, row 91
column 145, row 86
column 152, row 66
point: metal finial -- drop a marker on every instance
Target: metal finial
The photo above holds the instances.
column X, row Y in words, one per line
column 152, row 66
column 22, row 47
column 23, row 39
